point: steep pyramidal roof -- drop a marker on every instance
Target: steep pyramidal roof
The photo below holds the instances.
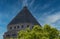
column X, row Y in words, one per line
column 24, row 17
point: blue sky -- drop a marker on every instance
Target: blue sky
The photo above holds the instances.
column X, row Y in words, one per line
column 45, row 11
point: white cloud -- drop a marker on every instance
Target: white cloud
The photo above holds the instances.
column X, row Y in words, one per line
column 53, row 18
column 32, row 3
column 35, row 8
column 1, row 35
column 45, row 6
column 46, row 13
column 25, row 2
column 2, row 30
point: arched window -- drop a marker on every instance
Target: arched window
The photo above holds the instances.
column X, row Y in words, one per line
column 15, row 27
column 27, row 25
column 8, row 35
column 10, row 27
column 22, row 26
column 18, row 27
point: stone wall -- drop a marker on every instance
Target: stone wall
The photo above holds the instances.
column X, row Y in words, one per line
column 12, row 30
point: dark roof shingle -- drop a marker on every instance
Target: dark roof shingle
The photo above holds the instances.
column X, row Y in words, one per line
column 24, row 17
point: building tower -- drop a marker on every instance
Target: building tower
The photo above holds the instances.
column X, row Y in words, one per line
column 22, row 20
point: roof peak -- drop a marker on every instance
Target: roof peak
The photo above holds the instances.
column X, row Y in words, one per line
column 25, row 7
column 24, row 16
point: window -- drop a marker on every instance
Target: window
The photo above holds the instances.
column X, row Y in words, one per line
column 14, row 35
column 8, row 35
column 22, row 26
column 18, row 27
column 15, row 27
column 27, row 25
column 10, row 27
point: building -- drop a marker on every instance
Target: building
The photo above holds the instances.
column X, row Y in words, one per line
column 22, row 20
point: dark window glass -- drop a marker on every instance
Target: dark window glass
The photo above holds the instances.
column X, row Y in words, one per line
column 27, row 25
column 15, row 27
column 13, row 34
column 22, row 26
column 10, row 27
column 8, row 35
column 18, row 27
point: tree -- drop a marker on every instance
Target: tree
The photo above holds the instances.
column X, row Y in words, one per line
column 46, row 32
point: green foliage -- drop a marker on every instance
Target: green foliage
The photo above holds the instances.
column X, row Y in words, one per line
column 46, row 32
